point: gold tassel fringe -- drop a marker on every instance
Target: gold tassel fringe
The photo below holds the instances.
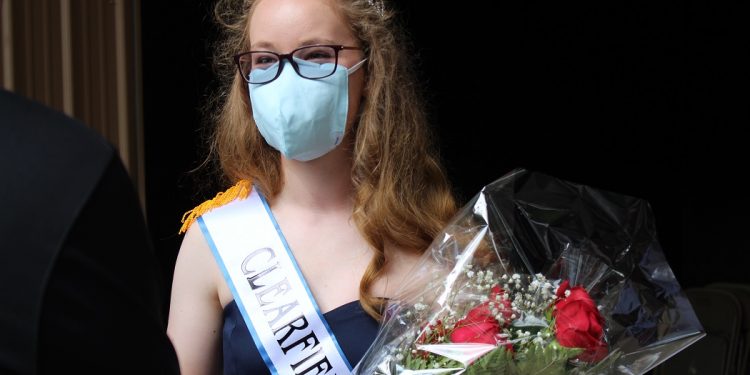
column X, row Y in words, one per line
column 240, row 190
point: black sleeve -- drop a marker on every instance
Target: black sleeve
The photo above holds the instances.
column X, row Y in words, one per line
column 101, row 311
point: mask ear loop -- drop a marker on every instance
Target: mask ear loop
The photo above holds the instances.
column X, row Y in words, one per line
column 355, row 67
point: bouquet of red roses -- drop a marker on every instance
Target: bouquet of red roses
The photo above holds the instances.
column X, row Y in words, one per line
column 538, row 276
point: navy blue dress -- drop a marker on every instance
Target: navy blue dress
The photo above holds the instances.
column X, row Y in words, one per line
column 353, row 328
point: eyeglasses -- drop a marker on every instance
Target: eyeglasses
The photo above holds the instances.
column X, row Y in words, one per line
column 264, row 66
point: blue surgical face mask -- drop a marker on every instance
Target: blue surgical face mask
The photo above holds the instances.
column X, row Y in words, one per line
column 302, row 118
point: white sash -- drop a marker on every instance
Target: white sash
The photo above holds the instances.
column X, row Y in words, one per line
column 284, row 320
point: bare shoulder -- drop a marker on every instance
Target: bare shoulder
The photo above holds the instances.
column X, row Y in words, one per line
column 195, row 254
column 195, row 310
column 195, row 272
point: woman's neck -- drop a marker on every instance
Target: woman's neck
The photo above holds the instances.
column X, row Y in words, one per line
column 320, row 184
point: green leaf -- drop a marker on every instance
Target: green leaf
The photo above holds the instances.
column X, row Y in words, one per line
column 551, row 360
column 498, row 361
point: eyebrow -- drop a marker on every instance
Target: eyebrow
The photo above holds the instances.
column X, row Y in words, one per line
column 307, row 42
column 310, row 42
column 260, row 45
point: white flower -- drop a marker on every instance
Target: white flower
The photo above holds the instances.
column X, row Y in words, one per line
column 400, row 357
column 470, row 274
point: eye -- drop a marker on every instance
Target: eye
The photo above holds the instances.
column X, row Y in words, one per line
column 317, row 54
column 262, row 60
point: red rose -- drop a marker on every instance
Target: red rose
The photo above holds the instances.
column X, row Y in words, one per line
column 478, row 332
column 480, row 325
column 578, row 323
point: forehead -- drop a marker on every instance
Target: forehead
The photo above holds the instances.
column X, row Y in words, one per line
column 287, row 24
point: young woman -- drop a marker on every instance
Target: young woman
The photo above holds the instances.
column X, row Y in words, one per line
column 322, row 118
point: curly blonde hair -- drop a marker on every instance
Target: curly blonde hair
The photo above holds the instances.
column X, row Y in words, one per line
column 402, row 196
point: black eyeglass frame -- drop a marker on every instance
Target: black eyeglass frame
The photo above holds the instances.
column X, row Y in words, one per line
column 289, row 57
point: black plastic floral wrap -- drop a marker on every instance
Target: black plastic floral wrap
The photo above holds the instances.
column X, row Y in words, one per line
column 537, row 275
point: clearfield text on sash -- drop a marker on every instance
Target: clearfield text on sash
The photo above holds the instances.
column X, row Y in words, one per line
column 283, row 313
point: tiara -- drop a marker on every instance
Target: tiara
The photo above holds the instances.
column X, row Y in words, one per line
column 378, row 5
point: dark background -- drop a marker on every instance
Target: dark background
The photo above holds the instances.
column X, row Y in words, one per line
column 637, row 97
